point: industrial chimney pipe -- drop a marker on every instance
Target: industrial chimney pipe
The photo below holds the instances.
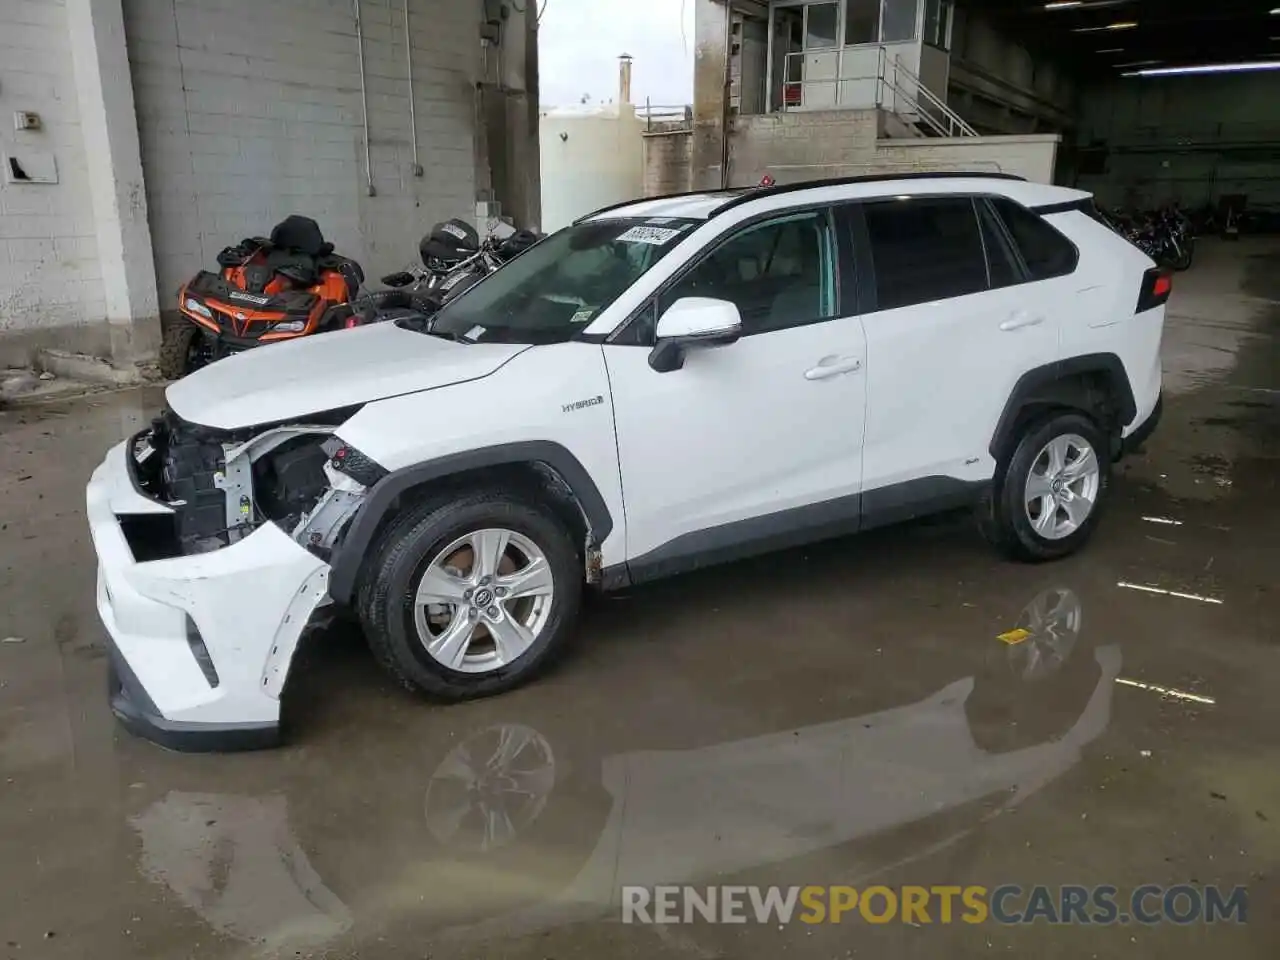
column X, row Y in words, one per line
column 624, row 79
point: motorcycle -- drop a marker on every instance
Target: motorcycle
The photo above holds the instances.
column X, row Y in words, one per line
column 454, row 259
column 1165, row 235
column 287, row 286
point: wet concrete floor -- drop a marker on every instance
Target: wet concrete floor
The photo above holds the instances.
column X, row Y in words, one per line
column 841, row 714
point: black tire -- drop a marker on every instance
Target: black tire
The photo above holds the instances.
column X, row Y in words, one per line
column 1003, row 515
column 175, row 350
column 413, row 540
column 1188, row 254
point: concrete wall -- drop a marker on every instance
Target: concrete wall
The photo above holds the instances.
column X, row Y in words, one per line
column 668, row 162
column 710, row 92
column 840, row 143
column 1190, row 139
column 51, row 287
column 818, row 140
column 1000, row 85
column 251, row 111
column 1028, row 155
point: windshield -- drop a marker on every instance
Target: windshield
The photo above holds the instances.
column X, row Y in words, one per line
column 557, row 287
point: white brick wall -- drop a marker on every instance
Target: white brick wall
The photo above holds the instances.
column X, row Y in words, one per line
column 798, row 146
column 249, row 110
column 49, row 271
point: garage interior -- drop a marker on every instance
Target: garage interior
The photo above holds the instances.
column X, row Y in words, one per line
column 846, row 713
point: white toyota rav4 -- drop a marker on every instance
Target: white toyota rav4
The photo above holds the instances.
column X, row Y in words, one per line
column 663, row 385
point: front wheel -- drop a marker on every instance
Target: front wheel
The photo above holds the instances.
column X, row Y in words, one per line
column 471, row 595
column 1046, row 502
column 182, row 350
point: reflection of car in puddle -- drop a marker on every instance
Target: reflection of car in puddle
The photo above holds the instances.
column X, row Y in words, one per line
column 495, row 844
column 490, row 787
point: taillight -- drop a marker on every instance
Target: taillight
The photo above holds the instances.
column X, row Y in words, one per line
column 1156, row 287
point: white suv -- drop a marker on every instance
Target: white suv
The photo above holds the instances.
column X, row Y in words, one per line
column 663, row 385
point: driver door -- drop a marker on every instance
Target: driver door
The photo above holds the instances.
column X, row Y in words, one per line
column 756, row 444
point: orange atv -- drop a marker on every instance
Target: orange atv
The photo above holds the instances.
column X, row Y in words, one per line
column 290, row 286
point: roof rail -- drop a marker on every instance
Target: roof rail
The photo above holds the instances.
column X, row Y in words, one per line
column 741, row 195
column 755, row 193
column 665, row 196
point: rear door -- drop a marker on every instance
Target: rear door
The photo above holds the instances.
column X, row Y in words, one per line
column 953, row 325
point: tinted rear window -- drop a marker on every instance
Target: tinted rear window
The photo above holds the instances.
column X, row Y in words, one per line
column 1045, row 251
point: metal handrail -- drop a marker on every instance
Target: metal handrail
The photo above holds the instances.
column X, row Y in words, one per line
column 954, row 122
column 664, row 113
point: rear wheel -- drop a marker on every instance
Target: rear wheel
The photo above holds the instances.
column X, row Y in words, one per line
column 471, row 595
column 1186, row 252
column 1047, row 501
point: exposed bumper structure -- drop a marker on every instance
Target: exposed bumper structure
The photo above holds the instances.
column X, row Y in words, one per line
column 201, row 644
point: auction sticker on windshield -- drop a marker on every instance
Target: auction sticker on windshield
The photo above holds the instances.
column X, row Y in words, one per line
column 657, row 236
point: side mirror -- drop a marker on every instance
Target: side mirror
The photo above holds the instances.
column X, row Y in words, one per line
column 693, row 322
column 398, row 279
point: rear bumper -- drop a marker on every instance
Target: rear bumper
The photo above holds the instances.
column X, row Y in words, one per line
column 1139, row 434
column 201, row 644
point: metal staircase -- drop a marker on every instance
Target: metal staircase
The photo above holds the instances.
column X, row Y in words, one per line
column 914, row 102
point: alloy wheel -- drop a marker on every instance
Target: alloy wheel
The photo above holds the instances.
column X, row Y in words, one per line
column 1062, row 486
column 484, row 600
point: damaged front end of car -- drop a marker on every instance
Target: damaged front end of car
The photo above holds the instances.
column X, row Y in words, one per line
column 223, row 485
column 214, row 551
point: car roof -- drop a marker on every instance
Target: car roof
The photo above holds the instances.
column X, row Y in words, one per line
column 705, row 205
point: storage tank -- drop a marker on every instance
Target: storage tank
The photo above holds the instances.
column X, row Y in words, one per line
column 591, row 156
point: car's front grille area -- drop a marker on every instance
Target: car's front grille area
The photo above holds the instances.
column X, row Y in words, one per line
column 176, row 463
column 151, row 536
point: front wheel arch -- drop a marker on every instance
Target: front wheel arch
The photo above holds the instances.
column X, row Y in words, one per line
column 547, row 465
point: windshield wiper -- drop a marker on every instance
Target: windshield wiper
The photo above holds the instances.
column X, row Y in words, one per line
column 420, row 323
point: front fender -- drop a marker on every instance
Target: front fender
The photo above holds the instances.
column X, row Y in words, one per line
column 551, row 404
column 387, row 491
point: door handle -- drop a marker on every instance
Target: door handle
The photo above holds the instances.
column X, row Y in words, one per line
column 833, row 367
column 1019, row 320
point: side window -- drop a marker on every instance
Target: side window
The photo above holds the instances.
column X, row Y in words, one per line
column 925, row 248
column 779, row 273
column 1046, row 252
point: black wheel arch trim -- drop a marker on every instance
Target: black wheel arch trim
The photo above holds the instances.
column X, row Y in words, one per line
column 382, row 496
column 1037, row 379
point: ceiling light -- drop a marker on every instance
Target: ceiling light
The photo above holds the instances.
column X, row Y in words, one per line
column 1206, row 68
column 1063, row 4
column 1137, row 63
column 1121, row 25
column 1112, row 50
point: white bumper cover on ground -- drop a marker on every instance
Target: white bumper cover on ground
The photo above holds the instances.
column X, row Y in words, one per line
column 247, row 604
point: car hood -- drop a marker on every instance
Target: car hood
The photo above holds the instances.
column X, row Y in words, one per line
column 284, row 381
